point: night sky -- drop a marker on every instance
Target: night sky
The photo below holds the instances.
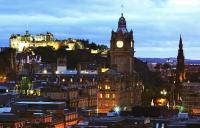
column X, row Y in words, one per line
column 157, row 24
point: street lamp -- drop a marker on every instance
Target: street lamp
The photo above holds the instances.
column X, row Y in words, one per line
column 56, row 72
column 163, row 92
column 117, row 109
column 45, row 71
column 63, row 80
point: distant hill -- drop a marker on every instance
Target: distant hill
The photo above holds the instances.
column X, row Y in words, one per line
column 164, row 60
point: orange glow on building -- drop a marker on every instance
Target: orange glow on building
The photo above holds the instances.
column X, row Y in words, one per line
column 71, row 123
column 161, row 102
column 107, row 95
column 113, row 96
column 101, row 95
column 60, row 125
column 3, row 78
column 107, row 87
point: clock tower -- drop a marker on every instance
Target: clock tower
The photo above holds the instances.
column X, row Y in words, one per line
column 122, row 48
column 120, row 85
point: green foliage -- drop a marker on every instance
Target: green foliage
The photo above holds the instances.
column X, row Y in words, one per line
column 81, row 52
column 152, row 81
column 25, row 84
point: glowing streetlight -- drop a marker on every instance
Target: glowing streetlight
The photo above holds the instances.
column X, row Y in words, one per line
column 63, row 80
column 56, row 72
column 45, row 71
column 163, row 92
column 31, row 92
column 152, row 103
column 117, row 109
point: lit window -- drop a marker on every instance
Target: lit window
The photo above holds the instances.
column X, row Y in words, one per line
column 163, row 125
column 157, row 125
column 100, row 87
column 113, row 95
column 107, row 87
column 101, row 95
column 107, row 95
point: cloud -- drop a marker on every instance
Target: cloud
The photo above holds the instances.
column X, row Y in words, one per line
column 157, row 24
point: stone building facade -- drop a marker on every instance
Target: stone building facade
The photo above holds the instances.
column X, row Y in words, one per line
column 118, row 86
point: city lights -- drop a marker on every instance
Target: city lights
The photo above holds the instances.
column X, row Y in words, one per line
column 117, row 109
column 56, row 72
column 93, row 64
column 45, row 71
column 163, row 92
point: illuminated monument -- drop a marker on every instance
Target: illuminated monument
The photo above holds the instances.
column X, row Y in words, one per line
column 119, row 87
column 180, row 74
column 180, row 67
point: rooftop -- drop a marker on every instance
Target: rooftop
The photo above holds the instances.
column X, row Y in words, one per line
column 27, row 102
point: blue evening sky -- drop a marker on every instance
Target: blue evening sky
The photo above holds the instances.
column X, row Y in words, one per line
column 157, row 24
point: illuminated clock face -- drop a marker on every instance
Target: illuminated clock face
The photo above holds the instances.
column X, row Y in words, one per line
column 120, row 44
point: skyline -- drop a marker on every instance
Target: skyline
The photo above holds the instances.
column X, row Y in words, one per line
column 157, row 24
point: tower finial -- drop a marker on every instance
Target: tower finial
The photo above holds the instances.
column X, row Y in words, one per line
column 27, row 29
column 122, row 7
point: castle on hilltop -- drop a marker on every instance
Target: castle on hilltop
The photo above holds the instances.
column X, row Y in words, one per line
column 23, row 42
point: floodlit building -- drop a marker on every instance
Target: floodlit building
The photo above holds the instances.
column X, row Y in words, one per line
column 101, row 89
column 118, row 86
column 21, row 42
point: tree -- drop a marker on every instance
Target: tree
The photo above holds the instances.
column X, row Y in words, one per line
column 102, row 47
column 61, row 52
column 24, row 85
column 47, row 53
column 158, row 66
column 93, row 46
column 166, row 66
